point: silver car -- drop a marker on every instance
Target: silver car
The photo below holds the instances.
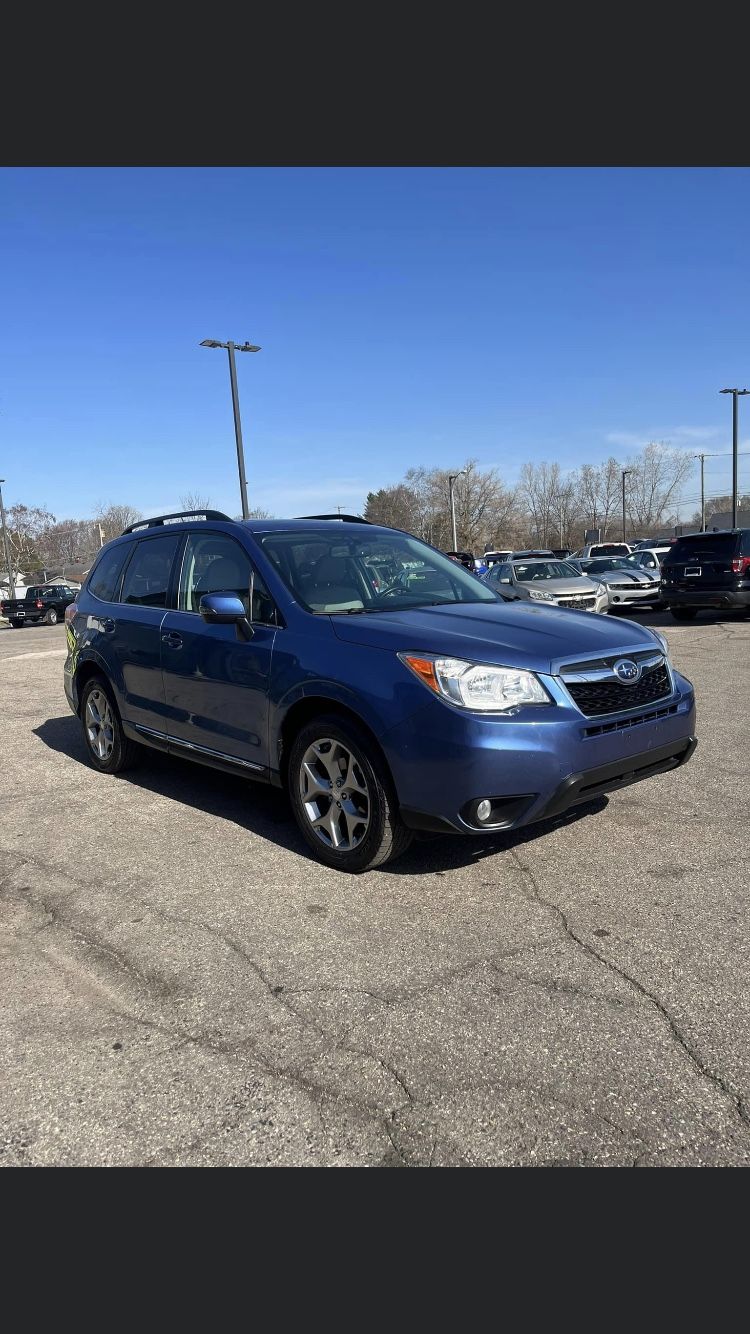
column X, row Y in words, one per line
column 550, row 582
column 627, row 583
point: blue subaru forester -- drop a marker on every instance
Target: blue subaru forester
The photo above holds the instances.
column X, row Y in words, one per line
column 384, row 686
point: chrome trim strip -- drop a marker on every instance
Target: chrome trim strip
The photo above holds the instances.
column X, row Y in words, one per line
column 606, row 673
column 217, row 754
column 149, row 731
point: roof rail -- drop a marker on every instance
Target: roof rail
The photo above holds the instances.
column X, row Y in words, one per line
column 345, row 518
column 181, row 514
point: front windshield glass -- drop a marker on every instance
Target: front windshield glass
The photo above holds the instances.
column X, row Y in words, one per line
column 333, row 571
column 531, row 571
column 610, row 563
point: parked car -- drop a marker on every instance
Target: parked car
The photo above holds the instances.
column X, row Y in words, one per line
column 603, row 549
column 552, row 581
column 41, row 602
column 707, row 570
column 260, row 647
column 492, row 557
column 531, row 554
column 652, row 542
column 648, row 558
column 562, row 552
column 464, row 558
column 627, row 584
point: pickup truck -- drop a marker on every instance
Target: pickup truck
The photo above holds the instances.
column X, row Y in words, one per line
column 43, row 602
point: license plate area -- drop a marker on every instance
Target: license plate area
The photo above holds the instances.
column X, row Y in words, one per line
column 692, row 571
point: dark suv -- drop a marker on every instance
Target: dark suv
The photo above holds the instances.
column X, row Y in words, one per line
column 707, row 570
column 385, row 687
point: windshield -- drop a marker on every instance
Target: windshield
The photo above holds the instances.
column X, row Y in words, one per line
column 608, row 563
column 329, row 572
column 531, row 571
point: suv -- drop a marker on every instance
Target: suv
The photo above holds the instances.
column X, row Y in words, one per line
column 603, row 549
column 707, row 570
column 263, row 648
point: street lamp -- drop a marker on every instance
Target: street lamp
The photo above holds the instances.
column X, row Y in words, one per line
column 735, row 395
column 8, row 562
column 625, row 473
column 231, row 349
column 451, row 479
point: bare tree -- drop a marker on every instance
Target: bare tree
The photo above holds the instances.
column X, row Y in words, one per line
column 193, row 500
column 25, row 524
column 599, row 494
column 115, row 518
column 653, row 487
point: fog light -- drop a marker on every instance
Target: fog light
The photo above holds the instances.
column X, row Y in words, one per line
column 484, row 810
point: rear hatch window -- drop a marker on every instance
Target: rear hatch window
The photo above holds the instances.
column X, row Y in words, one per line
column 701, row 560
column 703, row 547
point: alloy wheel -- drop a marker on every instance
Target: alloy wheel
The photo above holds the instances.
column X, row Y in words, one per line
column 100, row 724
column 334, row 794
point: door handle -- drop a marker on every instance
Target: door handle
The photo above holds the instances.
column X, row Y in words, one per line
column 172, row 640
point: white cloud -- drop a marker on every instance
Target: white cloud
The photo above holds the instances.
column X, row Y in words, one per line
column 681, row 437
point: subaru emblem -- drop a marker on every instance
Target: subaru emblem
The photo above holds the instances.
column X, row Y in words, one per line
column 627, row 671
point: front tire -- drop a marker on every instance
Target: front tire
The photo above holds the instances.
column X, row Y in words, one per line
column 342, row 797
column 108, row 748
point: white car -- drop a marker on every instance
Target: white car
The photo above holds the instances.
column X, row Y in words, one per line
column 626, row 582
column 602, row 549
column 649, row 558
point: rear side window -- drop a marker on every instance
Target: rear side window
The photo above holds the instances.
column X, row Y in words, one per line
column 146, row 582
column 106, row 574
column 703, row 546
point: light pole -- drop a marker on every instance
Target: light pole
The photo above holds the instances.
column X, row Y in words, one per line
column 231, row 349
column 702, row 458
column 451, row 479
column 735, row 395
column 8, row 562
column 625, row 473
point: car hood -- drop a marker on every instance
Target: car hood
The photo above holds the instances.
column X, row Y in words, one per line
column 520, row 634
column 627, row 576
column 584, row 585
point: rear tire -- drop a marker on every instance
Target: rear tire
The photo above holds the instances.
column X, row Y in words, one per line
column 329, row 756
column 684, row 613
column 108, row 748
column 50, row 617
column 17, row 625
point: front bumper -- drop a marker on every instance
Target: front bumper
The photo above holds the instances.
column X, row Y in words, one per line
column 635, row 597
column 530, row 765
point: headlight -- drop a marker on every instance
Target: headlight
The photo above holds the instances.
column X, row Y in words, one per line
column 539, row 596
column 474, row 685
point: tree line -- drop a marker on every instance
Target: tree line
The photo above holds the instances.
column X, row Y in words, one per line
column 545, row 508
column 42, row 546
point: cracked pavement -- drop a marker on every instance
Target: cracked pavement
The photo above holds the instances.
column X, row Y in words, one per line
column 181, row 984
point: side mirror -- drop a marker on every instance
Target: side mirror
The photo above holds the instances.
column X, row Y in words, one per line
column 224, row 609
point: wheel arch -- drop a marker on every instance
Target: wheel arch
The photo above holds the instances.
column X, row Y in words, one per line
column 308, row 708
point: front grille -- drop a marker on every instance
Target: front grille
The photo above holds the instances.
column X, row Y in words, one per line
column 578, row 604
column 597, row 697
column 622, row 724
column 629, row 585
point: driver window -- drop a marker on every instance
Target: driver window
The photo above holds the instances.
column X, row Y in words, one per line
column 215, row 563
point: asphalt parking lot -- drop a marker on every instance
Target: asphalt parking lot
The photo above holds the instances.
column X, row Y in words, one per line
column 181, row 984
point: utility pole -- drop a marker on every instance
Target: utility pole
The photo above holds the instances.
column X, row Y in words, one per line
column 8, row 562
column 451, row 479
column 625, row 473
column 702, row 458
column 231, row 349
column 736, row 393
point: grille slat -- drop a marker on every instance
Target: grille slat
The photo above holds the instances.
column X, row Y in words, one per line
column 597, row 697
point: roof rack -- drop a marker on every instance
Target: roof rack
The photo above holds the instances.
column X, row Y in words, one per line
column 181, row 514
column 345, row 518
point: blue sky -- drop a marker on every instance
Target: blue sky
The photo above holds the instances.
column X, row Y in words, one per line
column 406, row 316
